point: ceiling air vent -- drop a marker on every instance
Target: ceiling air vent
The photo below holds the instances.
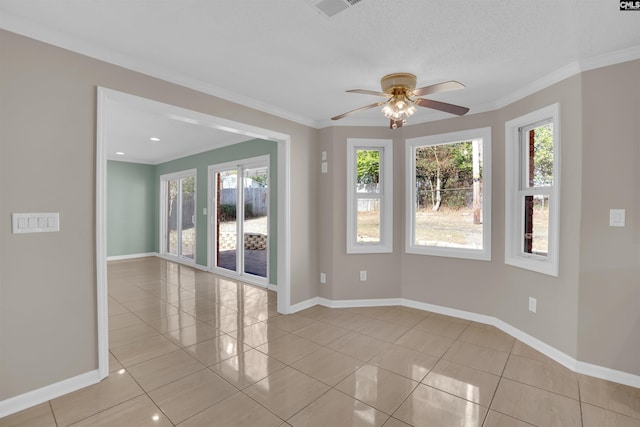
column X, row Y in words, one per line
column 330, row 8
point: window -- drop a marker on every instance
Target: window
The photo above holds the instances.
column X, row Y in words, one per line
column 532, row 184
column 449, row 195
column 369, row 196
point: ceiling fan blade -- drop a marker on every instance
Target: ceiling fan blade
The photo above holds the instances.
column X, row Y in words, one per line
column 368, row 92
column 439, row 87
column 357, row 110
column 442, row 106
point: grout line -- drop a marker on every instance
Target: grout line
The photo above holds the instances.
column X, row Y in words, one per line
column 53, row 414
column 580, row 401
column 267, row 409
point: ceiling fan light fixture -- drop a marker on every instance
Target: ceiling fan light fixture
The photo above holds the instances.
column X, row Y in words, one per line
column 399, row 107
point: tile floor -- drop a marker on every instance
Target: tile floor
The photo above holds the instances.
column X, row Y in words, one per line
column 192, row 349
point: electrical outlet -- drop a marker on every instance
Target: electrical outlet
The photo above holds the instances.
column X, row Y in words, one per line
column 533, row 304
column 323, row 278
column 363, row 275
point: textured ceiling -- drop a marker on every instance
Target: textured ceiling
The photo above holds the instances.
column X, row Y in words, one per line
column 286, row 58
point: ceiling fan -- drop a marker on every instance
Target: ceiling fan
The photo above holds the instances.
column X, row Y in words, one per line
column 401, row 93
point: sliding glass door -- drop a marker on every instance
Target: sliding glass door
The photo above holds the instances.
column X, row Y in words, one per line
column 178, row 193
column 240, row 214
column 225, row 211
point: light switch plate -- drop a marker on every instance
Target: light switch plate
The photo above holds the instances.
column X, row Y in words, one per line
column 42, row 222
column 616, row 217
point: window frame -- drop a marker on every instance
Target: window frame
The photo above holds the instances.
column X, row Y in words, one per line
column 516, row 165
column 385, row 195
column 483, row 254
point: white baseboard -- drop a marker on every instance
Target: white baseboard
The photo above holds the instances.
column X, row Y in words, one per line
column 305, row 304
column 544, row 348
column 460, row 314
column 131, row 256
column 569, row 362
column 382, row 302
column 46, row 393
column 608, row 374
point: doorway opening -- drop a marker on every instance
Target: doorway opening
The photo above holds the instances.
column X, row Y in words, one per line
column 107, row 100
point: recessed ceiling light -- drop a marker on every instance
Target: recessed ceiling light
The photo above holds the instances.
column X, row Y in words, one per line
column 120, row 153
column 154, row 139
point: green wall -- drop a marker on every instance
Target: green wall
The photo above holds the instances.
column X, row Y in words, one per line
column 201, row 162
column 131, row 208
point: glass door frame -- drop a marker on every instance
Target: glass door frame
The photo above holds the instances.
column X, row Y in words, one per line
column 164, row 214
column 240, row 166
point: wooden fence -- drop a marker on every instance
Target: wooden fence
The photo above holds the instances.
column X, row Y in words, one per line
column 256, row 199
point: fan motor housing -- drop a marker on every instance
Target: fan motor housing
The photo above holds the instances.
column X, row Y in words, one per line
column 398, row 80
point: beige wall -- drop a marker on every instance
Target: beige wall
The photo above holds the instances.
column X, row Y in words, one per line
column 451, row 282
column 48, row 313
column 343, row 271
column 556, row 320
column 47, row 155
column 609, row 303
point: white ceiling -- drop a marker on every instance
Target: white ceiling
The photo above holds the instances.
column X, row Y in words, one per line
column 286, row 58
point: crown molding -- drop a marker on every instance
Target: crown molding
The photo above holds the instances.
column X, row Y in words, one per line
column 536, row 86
column 572, row 69
column 610, row 58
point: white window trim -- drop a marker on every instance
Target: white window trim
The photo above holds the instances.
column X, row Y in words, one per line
column 164, row 179
column 386, row 196
column 514, row 215
column 483, row 254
